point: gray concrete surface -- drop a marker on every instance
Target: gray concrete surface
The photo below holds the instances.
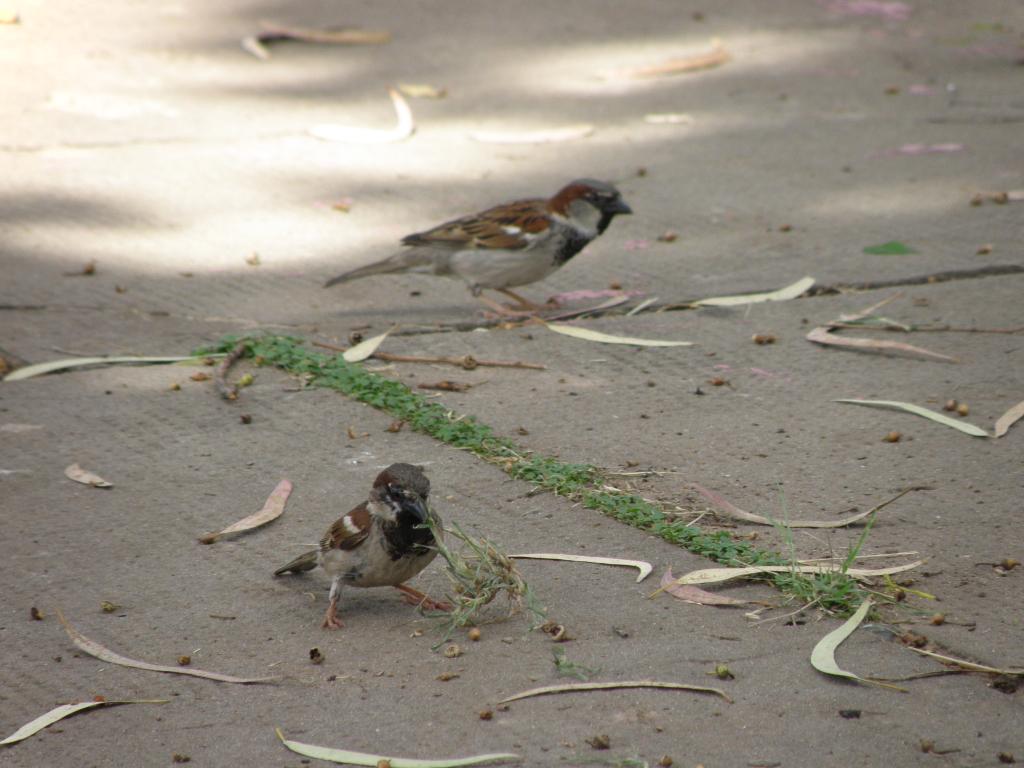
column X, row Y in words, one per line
column 142, row 137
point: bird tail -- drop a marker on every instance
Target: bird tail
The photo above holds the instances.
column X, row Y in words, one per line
column 307, row 561
column 399, row 262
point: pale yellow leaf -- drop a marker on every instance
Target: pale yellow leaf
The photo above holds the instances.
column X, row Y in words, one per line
column 644, row 567
column 364, row 349
column 59, row 713
column 607, row 338
column 578, row 687
column 917, row 410
column 272, row 509
column 85, row 477
column 403, row 129
column 783, row 294
column 348, row 757
column 824, row 335
column 823, row 657
column 422, row 91
column 713, row 575
column 1009, row 418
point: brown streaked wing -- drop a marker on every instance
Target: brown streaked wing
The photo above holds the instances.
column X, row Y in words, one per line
column 341, row 536
column 487, row 229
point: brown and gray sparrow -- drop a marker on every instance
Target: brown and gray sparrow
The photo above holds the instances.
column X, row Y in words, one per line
column 383, row 542
column 509, row 245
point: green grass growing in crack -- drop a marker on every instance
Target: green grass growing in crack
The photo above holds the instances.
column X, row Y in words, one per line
column 833, row 591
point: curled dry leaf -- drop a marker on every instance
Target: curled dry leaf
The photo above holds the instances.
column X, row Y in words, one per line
column 39, row 369
column 692, row 594
column 272, row 509
column 823, row 335
column 783, row 294
column 404, row 127
column 578, row 687
column 970, row 665
column 102, row 653
column 823, row 656
column 716, row 56
column 607, row 338
column 59, row 713
column 917, row 410
column 645, row 568
column 348, row 757
column 364, row 349
column 547, row 136
column 274, row 32
column 724, row 505
column 1008, row 419
column 85, row 477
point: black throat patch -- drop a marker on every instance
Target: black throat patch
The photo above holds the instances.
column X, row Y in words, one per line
column 406, row 537
column 574, row 243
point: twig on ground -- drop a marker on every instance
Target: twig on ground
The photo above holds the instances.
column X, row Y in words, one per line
column 467, row 362
column 228, row 391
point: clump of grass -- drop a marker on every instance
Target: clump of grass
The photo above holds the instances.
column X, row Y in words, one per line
column 566, row 668
column 479, row 571
column 583, row 483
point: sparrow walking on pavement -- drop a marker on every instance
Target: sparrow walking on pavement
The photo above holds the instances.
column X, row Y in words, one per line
column 508, row 245
column 383, row 542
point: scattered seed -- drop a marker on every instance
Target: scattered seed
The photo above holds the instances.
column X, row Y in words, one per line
column 184, row 661
column 1007, row 758
column 615, row 285
column 179, row 758
column 786, row 228
column 108, row 607
column 963, row 409
column 850, row 714
column 444, row 677
column 315, row 656
column 486, row 714
column 396, row 426
column 763, row 338
column 913, row 639
column 175, row 387
column 668, row 236
column 938, row 619
column 892, row 90
column 200, row 376
column 718, row 381
column 623, row 633
column 893, row 437
column 722, row 672
column 950, row 405
column 254, row 260
column 523, row 431
column 36, row 614
column 452, row 651
column 245, row 380
column 474, row 634
column 665, row 761
column 245, row 418
column 383, row 763
column 984, row 249
column 1008, row 564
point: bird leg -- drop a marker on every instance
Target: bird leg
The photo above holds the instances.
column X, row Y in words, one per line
column 331, row 620
column 415, row 597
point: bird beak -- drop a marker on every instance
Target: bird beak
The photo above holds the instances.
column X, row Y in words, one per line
column 620, row 207
column 417, row 507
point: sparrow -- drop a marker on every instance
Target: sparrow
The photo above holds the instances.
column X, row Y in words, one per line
column 382, row 542
column 508, row 245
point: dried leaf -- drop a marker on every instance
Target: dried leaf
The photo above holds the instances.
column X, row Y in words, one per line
column 969, row 665
column 783, row 294
column 713, row 575
column 548, row 136
column 273, row 33
column 39, row 369
column 79, row 475
column 403, row 129
column 715, row 57
column 422, row 91
column 644, row 567
column 891, row 248
column 692, row 594
column 823, row 335
column 917, row 410
column 733, row 511
column 364, row 349
column 362, row 758
column 576, row 687
column 1009, row 418
column 272, row 509
column 823, row 656
column 669, row 118
column 105, row 654
column 605, row 338
column 64, row 710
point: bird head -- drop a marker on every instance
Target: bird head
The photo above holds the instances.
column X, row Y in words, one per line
column 402, row 489
column 594, row 203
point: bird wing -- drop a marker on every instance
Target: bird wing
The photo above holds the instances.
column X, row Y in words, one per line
column 349, row 531
column 513, row 226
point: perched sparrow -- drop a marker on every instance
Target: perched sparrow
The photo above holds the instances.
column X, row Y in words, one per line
column 508, row 245
column 383, row 542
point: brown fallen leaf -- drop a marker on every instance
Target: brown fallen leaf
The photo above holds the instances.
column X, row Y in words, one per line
column 824, row 335
column 274, row 33
column 353, row 435
column 102, row 653
column 692, row 594
column 272, row 509
column 716, row 56
column 447, row 386
column 79, row 475
column 1009, row 418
